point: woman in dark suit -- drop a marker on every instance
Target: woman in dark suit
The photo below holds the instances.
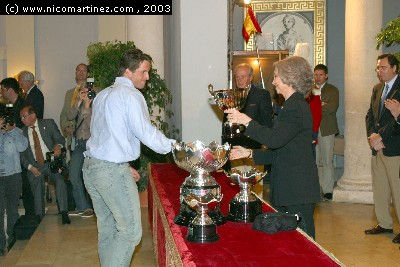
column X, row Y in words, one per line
column 294, row 177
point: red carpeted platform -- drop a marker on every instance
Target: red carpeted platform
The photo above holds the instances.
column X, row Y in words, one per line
column 238, row 244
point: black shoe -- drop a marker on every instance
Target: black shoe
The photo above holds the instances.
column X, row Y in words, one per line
column 64, row 218
column 328, row 196
column 396, row 240
column 378, row 230
column 2, row 252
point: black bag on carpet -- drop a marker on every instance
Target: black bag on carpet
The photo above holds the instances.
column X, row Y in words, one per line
column 273, row 222
column 25, row 226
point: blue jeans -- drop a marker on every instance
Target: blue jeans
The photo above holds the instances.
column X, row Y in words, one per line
column 116, row 203
column 75, row 176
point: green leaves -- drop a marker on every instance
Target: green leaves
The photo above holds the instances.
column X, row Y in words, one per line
column 389, row 35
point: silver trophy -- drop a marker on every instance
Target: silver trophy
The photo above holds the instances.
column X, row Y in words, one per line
column 226, row 99
column 199, row 189
column 245, row 206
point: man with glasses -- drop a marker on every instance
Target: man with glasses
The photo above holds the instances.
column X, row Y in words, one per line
column 43, row 136
column 385, row 146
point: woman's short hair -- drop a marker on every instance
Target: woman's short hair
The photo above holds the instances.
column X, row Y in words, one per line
column 296, row 72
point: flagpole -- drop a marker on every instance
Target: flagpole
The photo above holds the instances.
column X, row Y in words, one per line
column 258, row 59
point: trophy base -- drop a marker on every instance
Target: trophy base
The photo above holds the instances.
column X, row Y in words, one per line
column 185, row 216
column 244, row 211
column 217, row 217
column 202, row 233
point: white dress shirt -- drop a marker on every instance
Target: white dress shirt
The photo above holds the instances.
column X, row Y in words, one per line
column 120, row 121
column 45, row 149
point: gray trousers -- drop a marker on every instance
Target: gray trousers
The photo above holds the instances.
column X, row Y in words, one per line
column 37, row 186
column 75, row 176
column 10, row 191
column 325, row 162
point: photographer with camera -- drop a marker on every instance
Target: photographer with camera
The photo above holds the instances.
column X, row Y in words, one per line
column 81, row 113
column 12, row 142
column 11, row 91
column 43, row 136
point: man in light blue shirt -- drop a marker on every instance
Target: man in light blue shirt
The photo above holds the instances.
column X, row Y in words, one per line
column 12, row 142
column 120, row 121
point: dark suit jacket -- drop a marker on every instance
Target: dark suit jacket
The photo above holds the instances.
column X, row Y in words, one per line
column 258, row 107
column 51, row 136
column 329, row 95
column 36, row 99
column 294, row 176
column 383, row 122
column 16, row 110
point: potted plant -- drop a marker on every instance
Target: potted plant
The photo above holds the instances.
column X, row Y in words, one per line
column 104, row 60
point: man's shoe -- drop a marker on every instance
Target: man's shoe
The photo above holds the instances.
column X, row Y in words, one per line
column 75, row 213
column 2, row 252
column 327, row 196
column 396, row 239
column 64, row 218
column 87, row 213
column 378, row 230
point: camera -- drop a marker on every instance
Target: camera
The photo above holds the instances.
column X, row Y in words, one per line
column 9, row 115
column 89, row 86
column 57, row 163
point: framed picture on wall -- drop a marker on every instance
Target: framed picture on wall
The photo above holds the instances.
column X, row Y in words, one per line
column 285, row 23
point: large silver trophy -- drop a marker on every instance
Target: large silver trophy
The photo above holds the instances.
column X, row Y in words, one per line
column 199, row 189
column 245, row 206
column 226, row 99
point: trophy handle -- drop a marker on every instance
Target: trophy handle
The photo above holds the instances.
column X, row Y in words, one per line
column 261, row 175
column 211, row 89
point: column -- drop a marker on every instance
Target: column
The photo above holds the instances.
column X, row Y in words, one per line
column 364, row 21
column 147, row 34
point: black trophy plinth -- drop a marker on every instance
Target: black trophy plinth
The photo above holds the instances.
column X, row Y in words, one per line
column 244, row 211
column 216, row 215
column 202, row 233
column 185, row 215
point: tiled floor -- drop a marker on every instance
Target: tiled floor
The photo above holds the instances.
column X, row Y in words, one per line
column 339, row 227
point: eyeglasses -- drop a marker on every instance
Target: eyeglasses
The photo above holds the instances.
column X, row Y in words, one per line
column 23, row 117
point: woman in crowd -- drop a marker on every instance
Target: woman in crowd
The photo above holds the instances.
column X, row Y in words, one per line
column 81, row 112
column 294, row 178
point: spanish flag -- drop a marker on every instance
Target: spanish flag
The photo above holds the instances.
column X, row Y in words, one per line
column 250, row 24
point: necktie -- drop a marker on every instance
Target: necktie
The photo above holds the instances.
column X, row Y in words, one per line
column 37, row 147
column 383, row 97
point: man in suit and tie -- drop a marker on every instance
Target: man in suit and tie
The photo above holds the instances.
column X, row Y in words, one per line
column 327, row 130
column 385, row 146
column 33, row 96
column 258, row 104
column 44, row 136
